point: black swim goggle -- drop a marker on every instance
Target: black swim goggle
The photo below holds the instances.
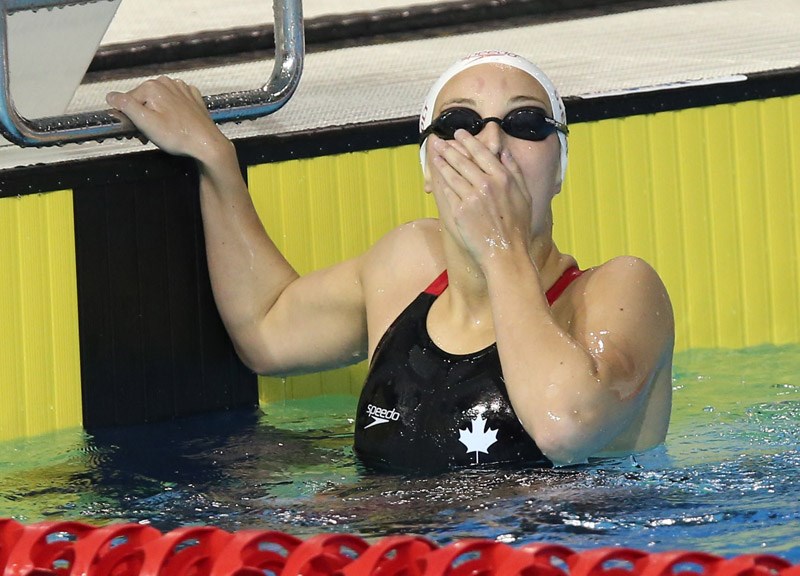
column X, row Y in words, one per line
column 528, row 123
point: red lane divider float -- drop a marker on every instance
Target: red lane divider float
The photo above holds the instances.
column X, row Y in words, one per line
column 78, row 549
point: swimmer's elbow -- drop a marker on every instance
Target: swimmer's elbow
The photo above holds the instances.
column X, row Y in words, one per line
column 563, row 453
column 281, row 361
column 262, row 367
column 255, row 355
column 256, row 363
column 570, row 440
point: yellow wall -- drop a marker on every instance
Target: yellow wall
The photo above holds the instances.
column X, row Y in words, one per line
column 39, row 355
column 707, row 196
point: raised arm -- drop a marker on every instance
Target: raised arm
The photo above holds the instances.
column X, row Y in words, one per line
column 279, row 322
column 599, row 384
column 591, row 378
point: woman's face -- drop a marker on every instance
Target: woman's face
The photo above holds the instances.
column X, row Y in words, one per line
column 495, row 90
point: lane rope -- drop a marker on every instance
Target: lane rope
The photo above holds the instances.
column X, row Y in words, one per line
column 72, row 548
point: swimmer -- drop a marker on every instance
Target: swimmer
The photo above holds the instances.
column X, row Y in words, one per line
column 486, row 344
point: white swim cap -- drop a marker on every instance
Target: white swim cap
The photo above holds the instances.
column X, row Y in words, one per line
column 507, row 59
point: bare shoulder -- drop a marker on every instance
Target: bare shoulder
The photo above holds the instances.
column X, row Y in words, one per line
column 412, row 249
column 396, row 269
column 626, row 296
column 627, row 275
column 415, row 230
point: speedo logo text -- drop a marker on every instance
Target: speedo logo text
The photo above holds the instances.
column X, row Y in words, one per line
column 381, row 415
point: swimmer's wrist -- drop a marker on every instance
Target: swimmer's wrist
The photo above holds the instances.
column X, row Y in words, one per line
column 512, row 259
column 516, row 267
column 214, row 153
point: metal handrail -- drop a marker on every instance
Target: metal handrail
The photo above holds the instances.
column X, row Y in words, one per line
column 102, row 124
column 22, row 5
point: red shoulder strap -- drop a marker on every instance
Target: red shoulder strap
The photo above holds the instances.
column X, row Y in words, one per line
column 437, row 286
column 561, row 284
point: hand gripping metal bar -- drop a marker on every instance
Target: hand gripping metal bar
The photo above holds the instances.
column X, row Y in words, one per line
column 102, row 124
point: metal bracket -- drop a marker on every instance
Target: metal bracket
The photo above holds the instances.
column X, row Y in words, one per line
column 103, row 124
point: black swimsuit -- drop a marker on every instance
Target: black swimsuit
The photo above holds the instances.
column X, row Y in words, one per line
column 425, row 409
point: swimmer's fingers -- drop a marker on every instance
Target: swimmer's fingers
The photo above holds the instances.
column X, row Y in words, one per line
column 126, row 104
column 503, row 171
column 137, row 112
column 446, row 197
column 461, row 172
column 189, row 90
column 456, row 145
column 198, row 97
column 484, row 159
column 510, row 163
column 157, row 95
column 168, row 112
column 460, row 158
column 499, row 173
column 145, row 120
column 443, row 159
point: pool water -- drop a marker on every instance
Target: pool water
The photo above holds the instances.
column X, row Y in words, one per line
column 726, row 481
